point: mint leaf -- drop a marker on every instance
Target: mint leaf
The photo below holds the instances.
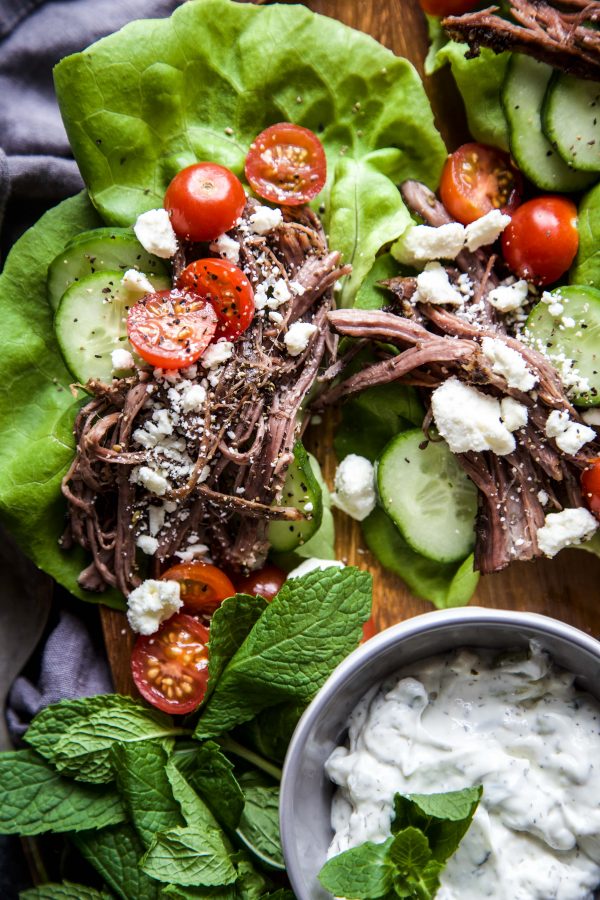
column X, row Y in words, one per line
column 282, row 658
column 189, row 856
column 210, row 773
column 271, row 731
column 77, row 735
column 193, row 808
column 145, row 788
column 452, row 805
column 36, row 799
column 65, row 891
column 229, row 628
column 177, row 892
column 443, row 818
column 259, row 824
column 115, row 853
column 409, row 851
column 363, row 872
column 251, row 884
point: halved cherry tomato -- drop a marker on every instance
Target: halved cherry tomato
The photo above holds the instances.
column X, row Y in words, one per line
column 170, row 668
column 369, row 630
column 204, row 200
column 286, row 164
column 203, row 587
column 590, row 486
column 541, row 240
column 477, row 179
column 171, row 329
column 227, row 290
column 447, row 7
column 266, row 582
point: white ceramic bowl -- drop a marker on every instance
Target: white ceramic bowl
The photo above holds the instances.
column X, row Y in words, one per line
column 305, row 789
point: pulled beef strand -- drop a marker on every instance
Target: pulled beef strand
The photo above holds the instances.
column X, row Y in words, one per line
column 245, row 445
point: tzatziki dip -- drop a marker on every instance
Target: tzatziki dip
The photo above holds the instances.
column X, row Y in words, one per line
column 515, row 724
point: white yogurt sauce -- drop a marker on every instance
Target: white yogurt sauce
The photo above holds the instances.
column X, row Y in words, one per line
column 514, row 724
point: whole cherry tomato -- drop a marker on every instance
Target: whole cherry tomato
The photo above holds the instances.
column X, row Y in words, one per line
column 204, row 200
column 286, row 164
column 477, row 179
column 590, row 486
column 170, row 667
column 203, row 587
column 266, row 582
column 541, row 240
column 171, row 329
column 227, row 290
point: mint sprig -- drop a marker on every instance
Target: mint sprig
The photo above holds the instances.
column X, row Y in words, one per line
column 426, row 831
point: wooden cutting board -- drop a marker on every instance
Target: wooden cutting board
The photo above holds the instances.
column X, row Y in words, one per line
column 565, row 587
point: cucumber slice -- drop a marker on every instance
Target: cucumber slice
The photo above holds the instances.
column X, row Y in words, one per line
column 90, row 323
column 580, row 343
column 300, row 488
column 522, row 97
column 571, row 120
column 428, row 497
column 100, row 250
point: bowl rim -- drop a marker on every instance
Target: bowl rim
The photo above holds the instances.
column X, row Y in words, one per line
column 408, row 628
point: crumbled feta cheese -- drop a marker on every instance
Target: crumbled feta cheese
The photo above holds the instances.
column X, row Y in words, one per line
column 151, row 603
column 509, row 363
column 276, row 317
column 421, row 243
column 265, row 219
column 513, row 414
column 591, row 416
column 297, row 288
column 568, row 322
column 313, row 564
column 121, row 360
column 467, row 419
column 227, row 248
column 261, row 298
column 155, row 233
column 192, row 552
column 136, row 282
column 562, row 529
column 556, row 310
column 216, row 354
column 433, row 286
column 543, row 497
column 147, row 544
column 486, row 230
column 150, row 479
column 355, row 487
column 193, row 398
column 281, row 294
column 298, row 336
column 569, row 436
column 509, row 297
column 156, row 518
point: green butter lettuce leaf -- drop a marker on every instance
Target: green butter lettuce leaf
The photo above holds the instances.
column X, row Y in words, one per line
column 145, row 788
column 370, row 295
column 443, row 584
column 37, row 409
column 161, row 94
column 479, row 81
column 194, row 856
column 586, row 269
column 115, row 854
column 36, row 799
column 65, row 891
column 76, row 736
column 282, row 658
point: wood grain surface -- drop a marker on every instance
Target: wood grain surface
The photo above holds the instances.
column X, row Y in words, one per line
column 565, row 587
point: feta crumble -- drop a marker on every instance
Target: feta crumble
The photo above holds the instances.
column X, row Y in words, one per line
column 136, row 282
column 355, row 487
column 217, row 354
column 151, row 603
column 147, row 544
column 543, row 497
column 155, row 233
column 227, row 248
column 509, row 363
column 486, row 230
column 265, row 219
column 513, row 414
column 152, row 480
column 433, row 286
column 569, row 436
column 193, row 398
column 298, row 336
column 421, row 243
column 467, row 419
column 121, row 360
column 314, row 564
column 509, row 297
column 565, row 528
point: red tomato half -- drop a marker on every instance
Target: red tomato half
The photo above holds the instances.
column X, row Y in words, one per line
column 171, row 329
column 369, row 630
column 286, row 164
column 227, row 290
column 590, row 486
column 204, row 200
column 447, row 7
column 266, row 582
column 542, row 239
column 477, row 179
column 203, row 587
column 170, row 668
